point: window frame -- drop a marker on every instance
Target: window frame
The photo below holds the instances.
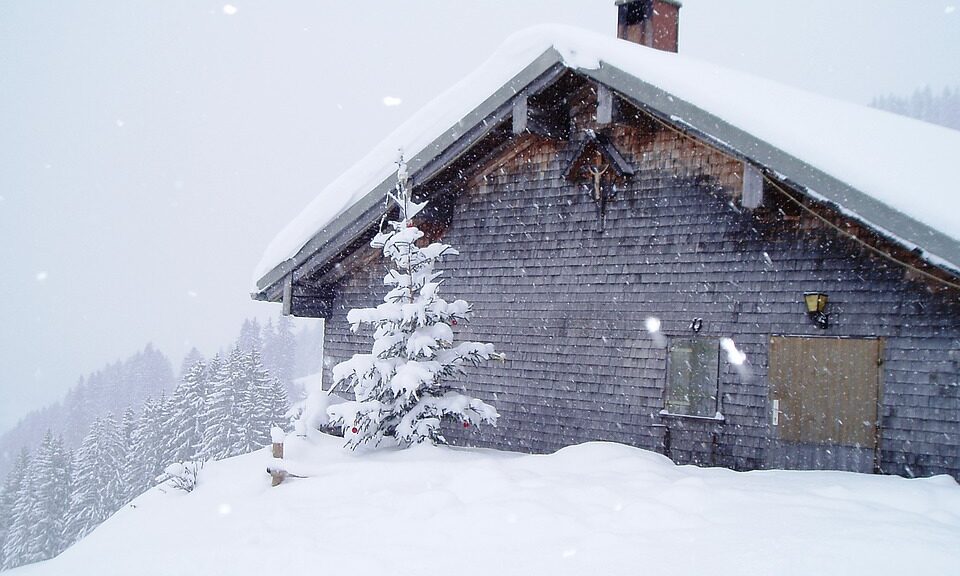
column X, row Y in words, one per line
column 671, row 408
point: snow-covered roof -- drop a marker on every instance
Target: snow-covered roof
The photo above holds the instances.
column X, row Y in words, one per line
column 889, row 172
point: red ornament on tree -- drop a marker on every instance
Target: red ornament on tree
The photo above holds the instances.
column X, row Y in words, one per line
column 354, row 429
column 454, row 321
column 466, row 424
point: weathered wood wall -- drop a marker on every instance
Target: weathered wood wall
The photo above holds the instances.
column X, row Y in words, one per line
column 567, row 304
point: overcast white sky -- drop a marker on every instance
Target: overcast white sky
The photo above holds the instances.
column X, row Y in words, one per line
column 150, row 150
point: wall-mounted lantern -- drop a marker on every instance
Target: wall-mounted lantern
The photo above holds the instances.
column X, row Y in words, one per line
column 816, row 308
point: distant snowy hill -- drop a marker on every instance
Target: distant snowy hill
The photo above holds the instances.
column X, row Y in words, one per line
column 588, row 508
column 127, row 383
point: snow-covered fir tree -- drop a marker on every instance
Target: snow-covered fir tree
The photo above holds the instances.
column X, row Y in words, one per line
column 224, row 434
column 243, row 403
column 183, row 426
column 189, row 361
column 263, row 412
column 149, row 445
column 50, row 473
column 98, row 489
column 11, row 543
column 280, row 349
column 250, row 336
column 267, row 333
column 16, row 548
column 309, row 353
column 276, row 405
column 924, row 104
column 35, row 499
column 130, row 471
column 80, row 411
column 243, row 376
column 147, row 374
column 402, row 388
column 210, row 378
column 111, row 389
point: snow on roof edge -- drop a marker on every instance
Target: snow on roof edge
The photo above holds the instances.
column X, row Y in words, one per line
column 832, row 136
column 410, row 138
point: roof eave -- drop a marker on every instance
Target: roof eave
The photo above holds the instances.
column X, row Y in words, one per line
column 820, row 186
column 339, row 232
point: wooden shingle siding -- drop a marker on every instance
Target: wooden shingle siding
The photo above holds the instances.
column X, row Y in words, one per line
column 567, row 305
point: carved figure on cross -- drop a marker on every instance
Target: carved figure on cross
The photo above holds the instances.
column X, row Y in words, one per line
column 597, row 172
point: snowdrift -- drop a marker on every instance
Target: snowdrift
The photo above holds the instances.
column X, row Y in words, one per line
column 595, row 506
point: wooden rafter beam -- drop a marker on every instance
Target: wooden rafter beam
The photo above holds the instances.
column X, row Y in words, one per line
column 608, row 106
column 614, row 156
column 598, row 144
column 305, row 301
column 532, row 115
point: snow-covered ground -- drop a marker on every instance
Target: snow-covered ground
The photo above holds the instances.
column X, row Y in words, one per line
column 594, row 508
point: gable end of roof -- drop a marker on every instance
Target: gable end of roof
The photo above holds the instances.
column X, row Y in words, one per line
column 932, row 245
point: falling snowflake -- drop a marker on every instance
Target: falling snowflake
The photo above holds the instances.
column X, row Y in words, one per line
column 735, row 356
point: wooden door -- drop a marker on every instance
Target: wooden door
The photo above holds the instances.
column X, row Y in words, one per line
column 824, row 402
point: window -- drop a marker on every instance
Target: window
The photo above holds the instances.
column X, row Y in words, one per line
column 693, row 369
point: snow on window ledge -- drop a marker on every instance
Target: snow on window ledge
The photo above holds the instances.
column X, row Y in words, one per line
column 718, row 417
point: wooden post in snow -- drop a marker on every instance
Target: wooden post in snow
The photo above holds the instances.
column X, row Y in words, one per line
column 277, row 473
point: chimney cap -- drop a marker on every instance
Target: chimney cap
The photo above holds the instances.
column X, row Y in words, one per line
column 676, row 3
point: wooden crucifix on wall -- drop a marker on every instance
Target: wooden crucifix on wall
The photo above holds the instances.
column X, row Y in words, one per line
column 597, row 171
column 599, row 165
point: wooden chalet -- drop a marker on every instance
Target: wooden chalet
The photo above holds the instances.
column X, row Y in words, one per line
column 672, row 256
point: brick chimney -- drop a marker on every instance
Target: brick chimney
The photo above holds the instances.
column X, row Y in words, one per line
column 653, row 23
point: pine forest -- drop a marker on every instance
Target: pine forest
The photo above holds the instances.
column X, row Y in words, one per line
column 129, row 423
